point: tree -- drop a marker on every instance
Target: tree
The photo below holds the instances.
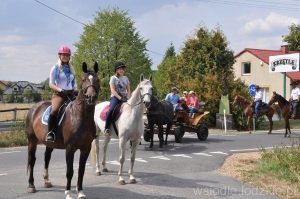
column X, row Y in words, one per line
column 160, row 76
column 200, row 67
column 110, row 38
column 293, row 39
column 28, row 94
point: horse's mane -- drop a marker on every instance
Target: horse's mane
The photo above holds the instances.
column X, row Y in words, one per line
column 244, row 100
column 135, row 94
column 282, row 99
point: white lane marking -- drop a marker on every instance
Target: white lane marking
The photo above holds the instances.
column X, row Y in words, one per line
column 182, row 155
column 3, row 174
column 138, row 160
column 219, row 152
column 10, row 152
column 228, row 135
column 202, row 154
column 160, row 157
column 113, row 162
column 255, row 149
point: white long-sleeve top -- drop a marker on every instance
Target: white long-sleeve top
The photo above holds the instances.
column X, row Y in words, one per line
column 258, row 95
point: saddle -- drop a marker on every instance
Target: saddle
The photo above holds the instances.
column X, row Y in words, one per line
column 60, row 115
column 263, row 108
column 115, row 115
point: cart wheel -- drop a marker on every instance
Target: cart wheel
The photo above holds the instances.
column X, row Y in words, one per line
column 202, row 132
column 178, row 133
column 147, row 135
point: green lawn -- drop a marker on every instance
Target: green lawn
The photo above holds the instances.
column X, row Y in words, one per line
column 279, row 125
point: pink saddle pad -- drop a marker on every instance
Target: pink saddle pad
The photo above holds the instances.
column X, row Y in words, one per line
column 104, row 111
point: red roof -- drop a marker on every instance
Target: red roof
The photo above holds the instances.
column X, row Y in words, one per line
column 264, row 55
column 4, row 82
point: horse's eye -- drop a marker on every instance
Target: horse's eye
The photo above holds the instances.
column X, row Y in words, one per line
column 83, row 80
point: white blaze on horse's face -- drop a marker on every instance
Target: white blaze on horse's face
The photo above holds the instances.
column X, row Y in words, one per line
column 91, row 79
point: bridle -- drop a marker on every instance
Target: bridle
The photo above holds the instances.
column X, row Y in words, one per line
column 85, row 90
column 141, row 97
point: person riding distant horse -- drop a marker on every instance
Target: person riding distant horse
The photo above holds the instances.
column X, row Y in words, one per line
column 120, row 92
column 257, row 100
column 63, row 82
column 294, row 98
column 173, row 97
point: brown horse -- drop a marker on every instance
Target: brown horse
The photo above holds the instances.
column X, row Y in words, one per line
column 246, row 106
column 76, row 131
column 285, row 107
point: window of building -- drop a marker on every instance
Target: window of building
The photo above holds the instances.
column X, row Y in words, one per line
column 246, row 68
column 265, row 92
column 15, row 89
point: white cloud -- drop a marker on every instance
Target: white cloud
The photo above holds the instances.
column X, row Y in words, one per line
column 11, row 39
column 272, row 24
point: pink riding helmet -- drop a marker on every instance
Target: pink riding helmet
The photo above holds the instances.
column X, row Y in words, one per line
column 64, row 50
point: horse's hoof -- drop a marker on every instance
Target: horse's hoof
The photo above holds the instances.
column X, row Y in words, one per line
column 104, row 170
column 31, row 189
column 132, row 181
column 160, row 149
column 250, row 132
column 122, row 182
column 98, row 173
column 269, row 133
column 48, row 185
column 284, row 136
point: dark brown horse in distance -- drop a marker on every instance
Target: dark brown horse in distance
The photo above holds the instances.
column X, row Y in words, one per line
column 76, row 131
column 285, row 107
column 267, row 111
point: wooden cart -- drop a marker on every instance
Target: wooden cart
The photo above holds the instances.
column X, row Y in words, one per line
column 183, row 123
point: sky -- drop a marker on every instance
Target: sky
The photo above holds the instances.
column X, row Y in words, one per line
column 32, row 31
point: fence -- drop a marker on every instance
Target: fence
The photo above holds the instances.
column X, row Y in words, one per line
column 14, row 110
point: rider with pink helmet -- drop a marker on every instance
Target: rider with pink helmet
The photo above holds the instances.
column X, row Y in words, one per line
column 63, row 83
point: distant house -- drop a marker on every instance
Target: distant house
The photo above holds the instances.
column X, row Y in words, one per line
column 3, row 85
column 252, row 66
column 18, row 88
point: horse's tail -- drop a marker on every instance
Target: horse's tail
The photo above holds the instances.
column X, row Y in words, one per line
column 93, row 148
column 278, row 110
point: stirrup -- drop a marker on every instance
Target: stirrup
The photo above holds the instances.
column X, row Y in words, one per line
column 49, row 135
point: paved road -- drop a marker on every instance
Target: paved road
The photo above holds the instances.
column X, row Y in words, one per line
column 182, row 170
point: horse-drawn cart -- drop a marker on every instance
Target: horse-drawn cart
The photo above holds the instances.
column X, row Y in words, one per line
column 183, row 123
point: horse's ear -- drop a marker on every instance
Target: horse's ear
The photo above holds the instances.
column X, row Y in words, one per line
column 141, row 77
column 151, row 78
column 96, row 67
column 84, row 67
column 274, row 92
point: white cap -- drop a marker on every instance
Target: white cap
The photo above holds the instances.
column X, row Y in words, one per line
column 184, row 92
column 191, row 92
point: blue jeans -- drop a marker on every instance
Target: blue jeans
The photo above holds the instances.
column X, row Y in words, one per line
column 193, row 110
column 257, row 106
column 113, row 103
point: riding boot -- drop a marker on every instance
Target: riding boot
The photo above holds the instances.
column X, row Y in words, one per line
column 51, row 125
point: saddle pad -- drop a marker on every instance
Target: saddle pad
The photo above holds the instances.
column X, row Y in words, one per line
column 46, row 115
column 104, row 111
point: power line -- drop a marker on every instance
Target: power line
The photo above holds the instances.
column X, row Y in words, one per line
column 80, row 22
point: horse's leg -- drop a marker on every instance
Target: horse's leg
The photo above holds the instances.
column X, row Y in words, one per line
column 105, row 145
column 151, row 128
column 160, row 136
column 287, row 126
column 48, row 152
column 84, row 154
column 122, row 145
column 31, row 161
column 70, row 170
column 134, row 147
column 271, row 123
column 96, row 142
column 167, row 132
column 249, row 124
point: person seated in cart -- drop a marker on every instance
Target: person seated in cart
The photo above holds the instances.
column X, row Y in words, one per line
column 194, row 104
column 184, row 102
column 173, row 97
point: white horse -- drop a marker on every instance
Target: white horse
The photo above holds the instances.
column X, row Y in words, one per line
column 130, row 126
